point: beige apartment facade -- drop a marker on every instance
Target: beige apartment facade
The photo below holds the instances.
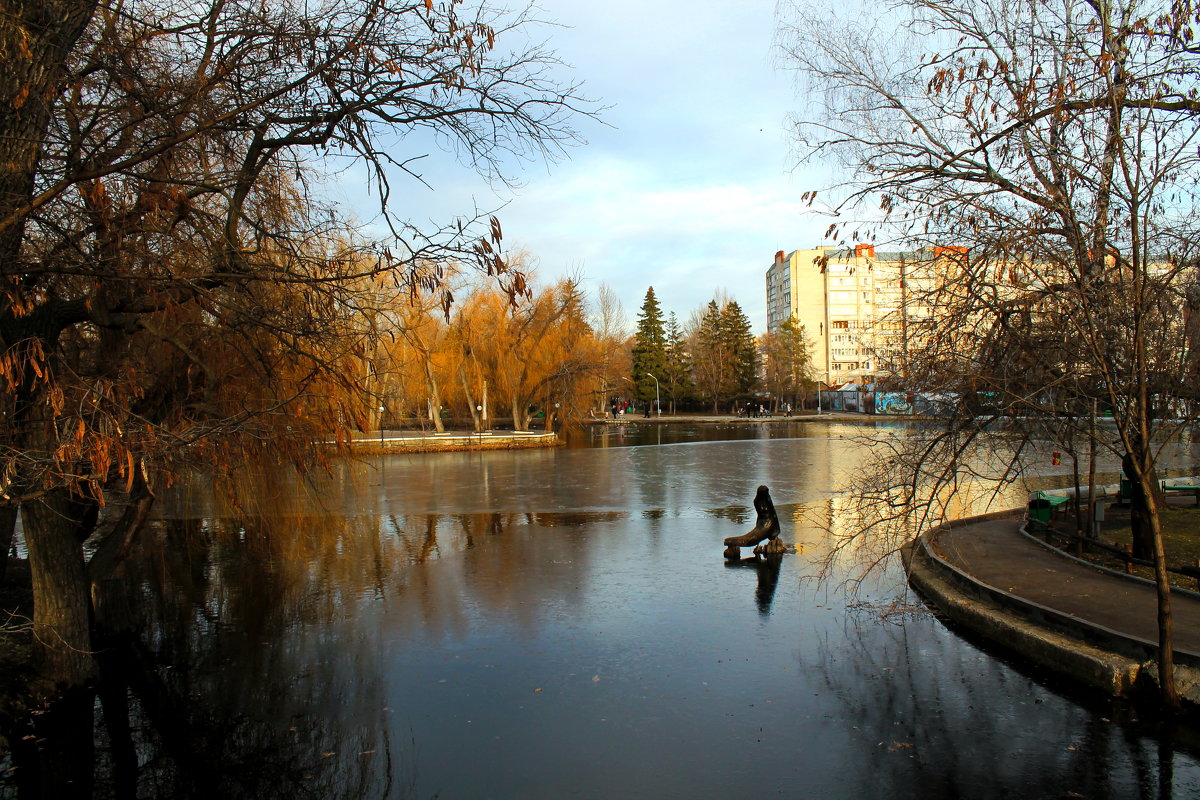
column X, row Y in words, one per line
column 855, row 306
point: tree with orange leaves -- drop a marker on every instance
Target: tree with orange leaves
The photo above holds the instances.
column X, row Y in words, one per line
column 172, row 291
column 539, row 353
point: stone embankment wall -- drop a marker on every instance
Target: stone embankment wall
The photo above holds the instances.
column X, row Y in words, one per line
column 451, row 442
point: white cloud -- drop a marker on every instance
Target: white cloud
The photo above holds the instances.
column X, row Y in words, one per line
column 686, row 188
column 621, row 224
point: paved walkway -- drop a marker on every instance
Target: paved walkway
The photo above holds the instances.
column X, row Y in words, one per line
column 997, row 554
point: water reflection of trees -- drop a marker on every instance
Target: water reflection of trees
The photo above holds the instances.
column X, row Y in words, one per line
column 165, row 730
column 199, row 697
column 246, row 656
column 923, row 706
column 738, row 513
column 269, row 575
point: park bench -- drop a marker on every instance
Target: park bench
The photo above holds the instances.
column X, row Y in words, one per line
column 1191, row 488
column 1042, row 506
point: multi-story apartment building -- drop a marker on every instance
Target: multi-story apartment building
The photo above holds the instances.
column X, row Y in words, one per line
column 855, row 306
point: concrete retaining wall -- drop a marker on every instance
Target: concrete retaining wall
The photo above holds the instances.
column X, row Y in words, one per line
column 1063, row 654
column 450, row 442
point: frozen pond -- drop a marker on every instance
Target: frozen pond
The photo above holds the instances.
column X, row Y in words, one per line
column 560, row 623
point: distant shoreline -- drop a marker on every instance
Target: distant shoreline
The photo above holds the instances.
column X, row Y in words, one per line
column 413, row 441
column 811, row 416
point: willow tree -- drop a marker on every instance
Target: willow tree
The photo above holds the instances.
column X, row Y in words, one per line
column 1039, row 160
column 172, row 288
column 419, row 349
column 539, row 352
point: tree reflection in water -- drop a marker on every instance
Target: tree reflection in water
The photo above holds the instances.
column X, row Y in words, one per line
column 910, row 695
column 218, row 678
column 222, row 677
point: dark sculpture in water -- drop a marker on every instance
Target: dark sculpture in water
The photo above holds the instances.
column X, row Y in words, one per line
column 766, row 528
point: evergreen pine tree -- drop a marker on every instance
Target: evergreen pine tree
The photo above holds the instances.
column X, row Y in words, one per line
column 742, row 349
column 649, row 356
column 677, row 381
column 711, row 357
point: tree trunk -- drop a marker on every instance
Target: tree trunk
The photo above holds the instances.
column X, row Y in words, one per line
column 1142, row 521
column 35, row 38
column 61, row 624
column 1091, row 515
column 1146, row 501
column 476, row 422
column 1166, row 639
column 435, row 399
column 520, row 415
column 1077, row 502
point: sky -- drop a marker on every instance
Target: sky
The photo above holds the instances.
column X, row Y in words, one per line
column 689, row 184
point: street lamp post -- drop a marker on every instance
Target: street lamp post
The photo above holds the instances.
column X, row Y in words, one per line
column 657, row 403
column 381, row 427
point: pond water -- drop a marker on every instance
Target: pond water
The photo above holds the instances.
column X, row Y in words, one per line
column 560, row 623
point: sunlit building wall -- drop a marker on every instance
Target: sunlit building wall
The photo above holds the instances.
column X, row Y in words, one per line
column 854, row 305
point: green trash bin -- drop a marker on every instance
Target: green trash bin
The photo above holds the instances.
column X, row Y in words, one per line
column 1040, row 509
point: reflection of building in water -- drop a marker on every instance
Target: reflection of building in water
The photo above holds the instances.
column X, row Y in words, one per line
column 974, row 497
column 846, row 548
column 879, row 509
